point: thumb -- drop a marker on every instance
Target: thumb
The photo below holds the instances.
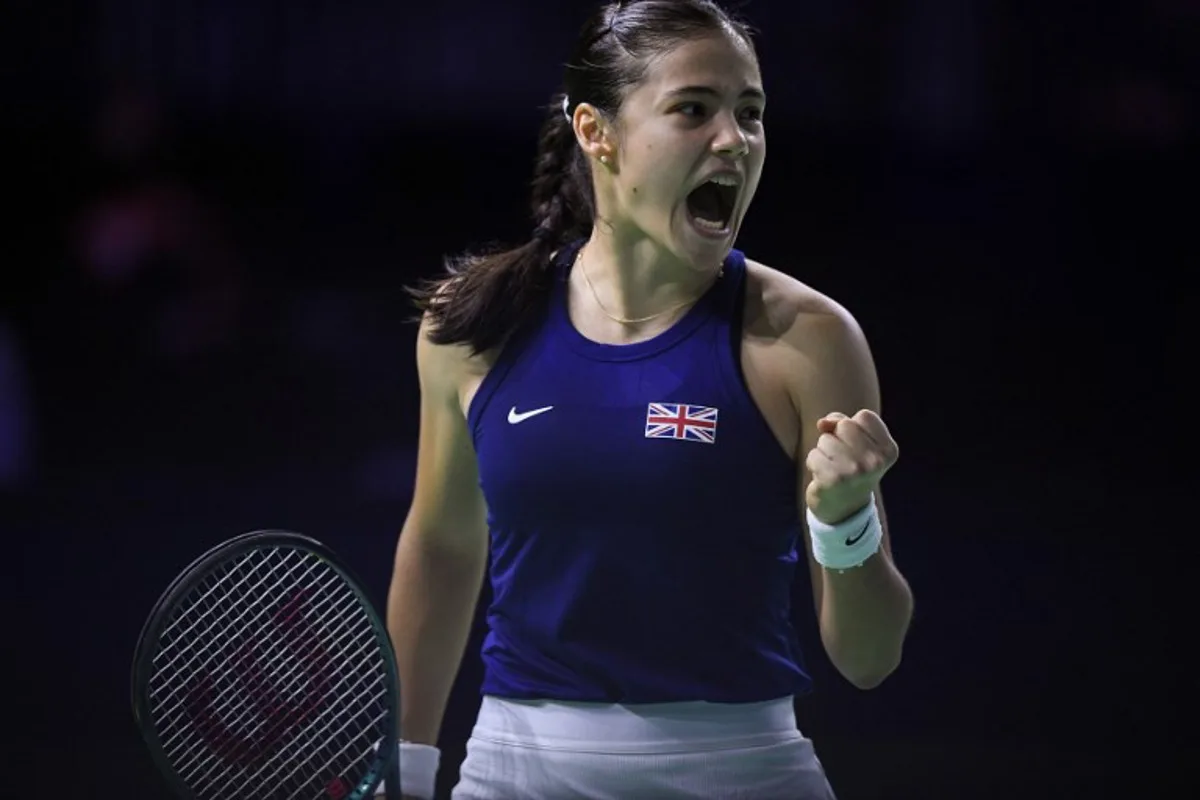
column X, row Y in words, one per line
column 828, row 423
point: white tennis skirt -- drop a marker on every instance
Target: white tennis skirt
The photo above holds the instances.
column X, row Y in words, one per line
column 536, row 750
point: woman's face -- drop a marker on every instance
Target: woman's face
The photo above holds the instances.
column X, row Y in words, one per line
column 696, row 119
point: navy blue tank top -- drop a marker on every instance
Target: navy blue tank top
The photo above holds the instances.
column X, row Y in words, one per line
column 643, row 517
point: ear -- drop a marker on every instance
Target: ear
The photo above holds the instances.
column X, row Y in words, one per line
column 594, row 133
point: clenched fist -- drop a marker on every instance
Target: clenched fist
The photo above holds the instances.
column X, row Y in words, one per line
column 851, row 455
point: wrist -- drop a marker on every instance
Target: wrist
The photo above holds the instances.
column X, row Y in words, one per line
column 417, row 768
column 848, row 543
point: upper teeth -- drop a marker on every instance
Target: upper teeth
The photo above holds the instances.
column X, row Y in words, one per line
column 724, row 180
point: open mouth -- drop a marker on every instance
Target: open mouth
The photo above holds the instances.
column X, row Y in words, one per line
column 712, row 203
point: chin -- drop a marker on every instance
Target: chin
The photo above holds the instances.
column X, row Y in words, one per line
column 705, row 251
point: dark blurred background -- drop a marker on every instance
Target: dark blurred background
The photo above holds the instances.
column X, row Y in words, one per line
column 203, row 331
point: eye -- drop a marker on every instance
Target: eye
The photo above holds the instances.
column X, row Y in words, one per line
column 753, row 114
column 696, row 110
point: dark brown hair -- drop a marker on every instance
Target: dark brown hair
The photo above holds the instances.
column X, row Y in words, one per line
column 486, row 295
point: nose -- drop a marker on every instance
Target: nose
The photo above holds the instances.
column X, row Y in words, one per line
column 730, row 141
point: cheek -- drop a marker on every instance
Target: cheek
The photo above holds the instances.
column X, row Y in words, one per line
column 653, row 182
column 756, row 166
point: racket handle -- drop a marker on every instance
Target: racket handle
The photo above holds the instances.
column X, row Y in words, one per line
column 391, row 781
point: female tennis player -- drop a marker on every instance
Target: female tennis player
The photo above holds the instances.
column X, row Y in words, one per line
column 641, row 420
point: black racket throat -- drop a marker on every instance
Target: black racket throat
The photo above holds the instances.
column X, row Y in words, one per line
column 264, row 671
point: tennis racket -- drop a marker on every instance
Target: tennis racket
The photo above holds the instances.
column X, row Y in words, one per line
column 264, row 672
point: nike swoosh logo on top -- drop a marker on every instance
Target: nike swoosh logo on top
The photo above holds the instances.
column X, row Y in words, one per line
column 854, row 541
column 514, row 417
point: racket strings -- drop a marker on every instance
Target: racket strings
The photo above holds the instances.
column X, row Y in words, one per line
column 212, row 602
column 232, row 639
column 269, row 681
column 363, row 692
column 233, row 643
column 249, row 718
column 223, row 619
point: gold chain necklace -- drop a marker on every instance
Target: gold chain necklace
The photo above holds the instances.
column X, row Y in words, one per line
column 625, row 320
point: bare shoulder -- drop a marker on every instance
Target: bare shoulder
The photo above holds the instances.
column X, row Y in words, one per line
column 813, row 344
column 447, row 507
column 450, row 371
column 793, row 313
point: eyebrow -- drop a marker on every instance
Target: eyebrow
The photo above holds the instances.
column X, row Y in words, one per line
column 691, row 91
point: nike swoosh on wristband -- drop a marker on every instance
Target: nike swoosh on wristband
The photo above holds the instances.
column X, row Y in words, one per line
column 854, row 541
column 514, row 417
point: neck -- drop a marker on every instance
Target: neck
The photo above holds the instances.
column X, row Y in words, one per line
column 635, row 277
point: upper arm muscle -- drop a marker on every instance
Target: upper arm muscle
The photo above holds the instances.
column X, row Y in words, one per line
column 448, row 508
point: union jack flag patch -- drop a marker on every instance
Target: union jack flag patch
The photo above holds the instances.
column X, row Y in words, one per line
column 677, row 421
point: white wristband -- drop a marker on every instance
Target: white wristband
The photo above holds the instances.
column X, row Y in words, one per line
column 418, row 771
column 850, row 542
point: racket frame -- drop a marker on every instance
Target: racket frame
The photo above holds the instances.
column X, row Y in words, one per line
column 182, row 585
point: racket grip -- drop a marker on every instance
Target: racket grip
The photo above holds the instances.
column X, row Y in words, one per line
column 391, row 782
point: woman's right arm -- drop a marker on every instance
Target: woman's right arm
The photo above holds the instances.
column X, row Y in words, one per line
column 442, row 552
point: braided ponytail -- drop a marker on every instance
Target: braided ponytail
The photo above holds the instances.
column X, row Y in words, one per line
column 485, row 296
